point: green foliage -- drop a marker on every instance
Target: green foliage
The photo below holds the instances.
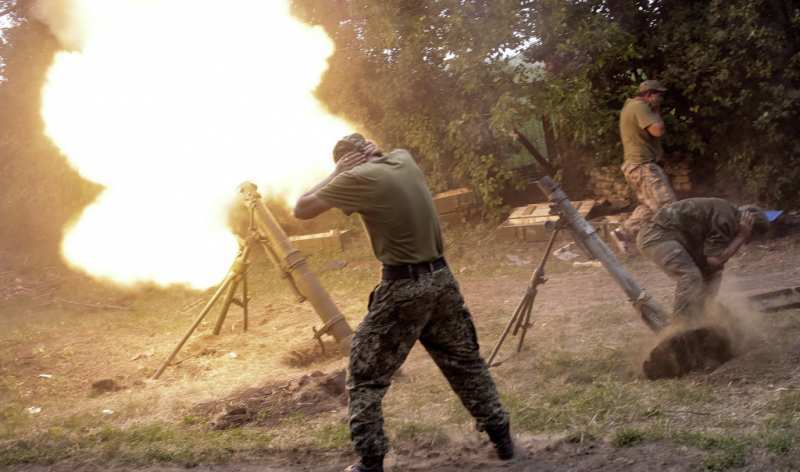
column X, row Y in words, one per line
column 435, row 77
column 733, row 69
column 428, row 76
column 451, row 79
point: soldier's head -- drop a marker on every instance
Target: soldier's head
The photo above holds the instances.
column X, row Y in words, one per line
column 652, row 92
column 354, row 142
column 761, row 221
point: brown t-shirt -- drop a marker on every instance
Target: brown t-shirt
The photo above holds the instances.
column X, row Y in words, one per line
column 395, row 204
column 639, row 145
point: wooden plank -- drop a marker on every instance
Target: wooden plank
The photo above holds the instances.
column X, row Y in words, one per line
column 528, row 223
column 776, row 300
column 454, row 200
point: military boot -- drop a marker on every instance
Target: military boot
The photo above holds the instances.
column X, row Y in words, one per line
column 367, row 464
column 503, row 444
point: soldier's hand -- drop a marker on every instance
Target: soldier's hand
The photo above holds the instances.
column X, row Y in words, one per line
column 349, row 161
column 746, row 225
column 370, row 148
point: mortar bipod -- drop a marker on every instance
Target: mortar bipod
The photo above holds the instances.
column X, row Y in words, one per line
column 521, row 319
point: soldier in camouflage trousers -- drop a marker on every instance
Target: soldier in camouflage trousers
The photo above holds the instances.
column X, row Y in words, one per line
column 641, row 129
column 430, row 308
column 653, row 191
column 417, row 299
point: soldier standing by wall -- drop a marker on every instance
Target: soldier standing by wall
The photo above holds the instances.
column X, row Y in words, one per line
column 417, row 298
column 641, row 129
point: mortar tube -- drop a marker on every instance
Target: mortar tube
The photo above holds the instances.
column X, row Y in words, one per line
column 296, row 266
column 654, row 316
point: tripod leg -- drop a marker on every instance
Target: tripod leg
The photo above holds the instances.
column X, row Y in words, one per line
column 511, row 322
column 526, row 321
column 226, row 303
column 222, row 287
column 524, row 308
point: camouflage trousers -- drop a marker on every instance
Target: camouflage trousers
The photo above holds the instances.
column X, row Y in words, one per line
column 653, row 191
column 429, row 308
column 695, row 287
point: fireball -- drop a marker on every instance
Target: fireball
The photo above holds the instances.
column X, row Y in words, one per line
column 169, row 105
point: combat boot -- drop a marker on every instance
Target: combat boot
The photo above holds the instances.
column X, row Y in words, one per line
column 367, row 464
column 501, row 438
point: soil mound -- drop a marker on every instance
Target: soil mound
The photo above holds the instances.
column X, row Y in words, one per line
column 310, row 395
column 685, row 351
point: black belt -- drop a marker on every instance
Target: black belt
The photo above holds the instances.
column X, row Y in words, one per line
column 412, row 271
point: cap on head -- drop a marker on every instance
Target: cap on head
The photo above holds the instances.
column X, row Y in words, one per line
column 761, row 220
column 351, row 142
column 651, row 86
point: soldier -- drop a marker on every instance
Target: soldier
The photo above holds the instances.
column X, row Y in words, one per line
column 641, row 129
column 690, row 240
column 417, row 298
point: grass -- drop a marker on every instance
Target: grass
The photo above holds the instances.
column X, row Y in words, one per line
column 725, row 452
column 781, row 442
column 627, row 437
column 421, row 434
column 332, row 436
column 142, row 444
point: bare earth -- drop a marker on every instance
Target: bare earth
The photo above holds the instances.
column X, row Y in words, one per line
column 582, row 358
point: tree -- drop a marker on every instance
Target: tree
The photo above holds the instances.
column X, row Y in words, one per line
column 732, row 68
column 432, row 76
column 429, row 76
column 39, row 191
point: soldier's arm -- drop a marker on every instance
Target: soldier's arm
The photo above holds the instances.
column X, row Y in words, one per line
column 657, row 129
column 310, row 205
column 743, row 236
column 650, row 120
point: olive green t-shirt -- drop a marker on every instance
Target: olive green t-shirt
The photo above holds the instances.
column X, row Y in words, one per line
column 395, row 204
column 639, row 145
column 704, row 226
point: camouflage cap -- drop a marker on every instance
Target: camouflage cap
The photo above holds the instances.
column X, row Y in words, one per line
column 651, row 85
column 351, row 142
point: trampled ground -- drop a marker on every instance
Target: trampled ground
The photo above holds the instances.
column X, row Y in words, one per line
column 76, row 357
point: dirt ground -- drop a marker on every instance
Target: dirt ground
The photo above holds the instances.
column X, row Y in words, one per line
column 76, row 356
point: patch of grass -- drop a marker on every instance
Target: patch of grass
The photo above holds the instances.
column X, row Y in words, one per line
column 787, row 404
column 294, row 419
column 627, row 437
column 682, row 392
column 139, row 445
column 725, row 452
column 332, row 436
column 780, row 442
column 421, row 433
column 13, row 418
column 572, row 407
column 191, row 420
